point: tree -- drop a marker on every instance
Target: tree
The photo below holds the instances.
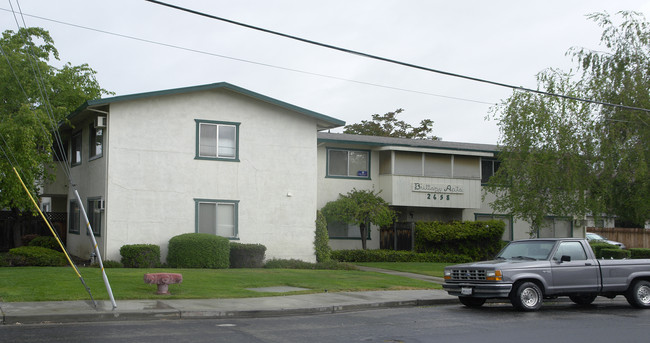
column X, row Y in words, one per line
column 359, row 207
column 570, row 158
column 387, row 125
column 35, row 98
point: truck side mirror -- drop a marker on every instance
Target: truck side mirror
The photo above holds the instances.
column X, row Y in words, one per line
column 565, row 258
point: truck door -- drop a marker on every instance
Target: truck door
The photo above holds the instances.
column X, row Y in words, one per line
column 578, row 274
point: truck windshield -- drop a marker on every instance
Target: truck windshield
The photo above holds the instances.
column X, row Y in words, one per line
column 528, row 250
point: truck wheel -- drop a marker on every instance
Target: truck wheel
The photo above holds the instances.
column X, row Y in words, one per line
column 472, row 302
column 582, row 300
column 638, row 295
column 527, row 297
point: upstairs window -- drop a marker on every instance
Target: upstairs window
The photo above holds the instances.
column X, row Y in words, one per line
column 488, row 168
column 96, row 142
column 217, row 140
column 75, row 149
column 348, row 163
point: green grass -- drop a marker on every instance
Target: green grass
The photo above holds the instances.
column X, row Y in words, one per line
column 425, row 268
column 19, row 284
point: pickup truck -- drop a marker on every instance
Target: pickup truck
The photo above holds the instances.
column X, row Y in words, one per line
column 527, row 271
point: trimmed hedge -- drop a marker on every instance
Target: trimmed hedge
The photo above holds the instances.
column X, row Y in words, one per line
column 298, row 264
column 199, row 250
column 140, row 255
column 246, row 255
column 321, row 239
column 45, row 242
column 598, row 247
column 480, row 240
column 385, row 255
column 615, row 253
column 640, row 253
column 35, row 256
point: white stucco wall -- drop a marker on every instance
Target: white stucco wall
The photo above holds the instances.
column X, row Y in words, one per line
column 153, row 176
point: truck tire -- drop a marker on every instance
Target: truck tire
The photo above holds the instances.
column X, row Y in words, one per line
column 582, row 300
column 527, row 296
column 471, row 301
column 638, row 295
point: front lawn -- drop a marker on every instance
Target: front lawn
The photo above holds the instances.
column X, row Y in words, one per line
column 19, row 284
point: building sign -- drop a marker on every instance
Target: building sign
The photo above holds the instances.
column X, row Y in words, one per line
column 437, row 188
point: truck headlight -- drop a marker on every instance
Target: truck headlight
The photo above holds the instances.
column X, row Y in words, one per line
column 447, row 274
column 493, row 275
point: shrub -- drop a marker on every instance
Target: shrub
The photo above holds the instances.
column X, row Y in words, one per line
column 480, row 240
column 321, row 240
column 615, row 253
column 298, row 264
column 384, row 255
column 597, row 247
column 25, row 239
column 198, row 250
column 45, row 242
column 109, row 264
column 35, row 256
column 640, row 253
column 140, row 255
column 246, row 255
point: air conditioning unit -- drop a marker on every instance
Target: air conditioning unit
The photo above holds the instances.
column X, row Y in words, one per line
column 102, row 204
column 100, row 122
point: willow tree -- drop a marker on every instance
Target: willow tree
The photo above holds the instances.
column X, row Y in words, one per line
column 567, row 157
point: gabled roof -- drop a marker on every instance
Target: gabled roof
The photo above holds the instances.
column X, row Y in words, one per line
column 391, row 143
column 324, row 122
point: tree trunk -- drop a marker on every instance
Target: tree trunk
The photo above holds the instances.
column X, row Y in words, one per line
column 364, row 235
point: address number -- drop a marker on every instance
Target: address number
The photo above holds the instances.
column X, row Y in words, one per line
column 441, row 197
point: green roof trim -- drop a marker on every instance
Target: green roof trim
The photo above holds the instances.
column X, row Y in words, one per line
column 325, row 122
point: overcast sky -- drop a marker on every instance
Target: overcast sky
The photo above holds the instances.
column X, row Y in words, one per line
column 503, row 41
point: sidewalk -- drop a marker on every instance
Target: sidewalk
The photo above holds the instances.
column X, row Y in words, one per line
column 83, row 311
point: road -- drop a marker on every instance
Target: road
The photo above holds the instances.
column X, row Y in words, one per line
column 608, row 321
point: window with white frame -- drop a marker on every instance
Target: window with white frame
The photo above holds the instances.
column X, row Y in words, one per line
column 75, row 149
column 95, row 215
column 217, row 217
column 348, row 163
column 506, row 219
column 488, row 168
column 96, row 142
column 74, row 217
column 217, row 140
column 338, row 230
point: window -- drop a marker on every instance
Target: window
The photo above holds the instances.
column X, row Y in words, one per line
column 95, row 214
column 74, row 217
column 556, row 227
column 217, row 140
column 217, row 217
column 339, row 230
column 96, row 142
column 572, row 249
column 348, row 163
column 75, row 149
column 488, row 168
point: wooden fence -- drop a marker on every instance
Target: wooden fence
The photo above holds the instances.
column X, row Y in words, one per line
column 632, row 238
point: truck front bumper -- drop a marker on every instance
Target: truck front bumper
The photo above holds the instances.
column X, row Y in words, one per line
column 478, row 290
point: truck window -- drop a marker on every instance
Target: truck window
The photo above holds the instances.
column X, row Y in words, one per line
column 573, row 249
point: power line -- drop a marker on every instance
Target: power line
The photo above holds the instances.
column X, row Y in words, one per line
column 253, row 62
column 384, row 59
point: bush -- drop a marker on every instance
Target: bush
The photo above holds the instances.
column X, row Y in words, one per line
column 298, row 264
column 25, row 239
column 109, row 264
column 384, row 255
column 640, row 253
column 246, row 255
column 198, row 250
column 45, row 242
column 321, row 240
column 480, row 240
column 615, row 253
column 35, row 256
column 598, row 247
column 140, row 255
